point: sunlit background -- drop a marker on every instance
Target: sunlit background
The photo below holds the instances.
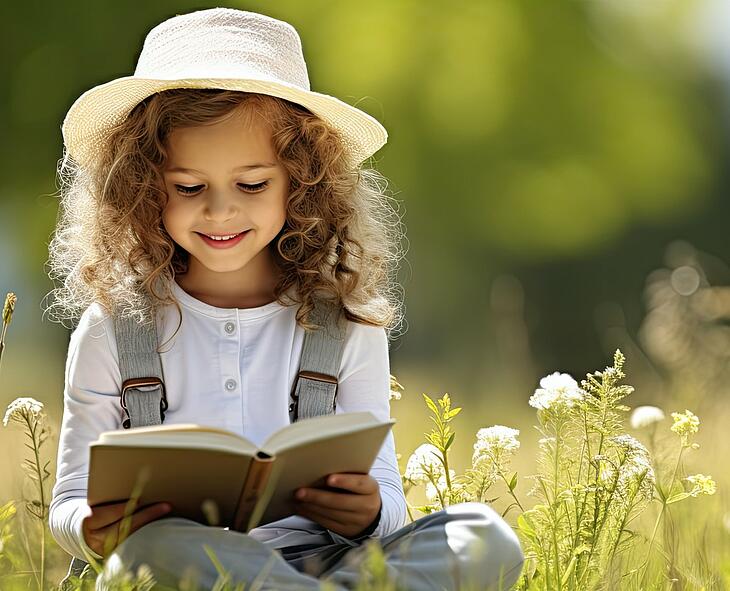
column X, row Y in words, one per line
column 561, row 168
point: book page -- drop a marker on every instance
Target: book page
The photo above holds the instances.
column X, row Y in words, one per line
column 319, row 428
column 183, row 435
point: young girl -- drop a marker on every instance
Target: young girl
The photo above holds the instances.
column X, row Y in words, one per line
column 214, row 194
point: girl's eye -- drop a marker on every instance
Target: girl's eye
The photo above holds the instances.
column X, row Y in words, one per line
column 188, row 190
column 248, row 188
column 254, row 188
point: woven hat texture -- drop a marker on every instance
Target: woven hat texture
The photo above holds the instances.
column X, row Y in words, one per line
column 216, row 48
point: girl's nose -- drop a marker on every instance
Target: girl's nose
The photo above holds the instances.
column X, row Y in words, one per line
column 219, row 206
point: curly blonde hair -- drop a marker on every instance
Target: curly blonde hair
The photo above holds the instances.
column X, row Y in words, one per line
column 342, row 239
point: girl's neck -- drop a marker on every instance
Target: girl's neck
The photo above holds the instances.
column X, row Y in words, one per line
column 228, row 290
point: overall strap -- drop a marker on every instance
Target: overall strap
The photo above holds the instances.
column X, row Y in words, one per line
column 143, row 391
column 315, row 387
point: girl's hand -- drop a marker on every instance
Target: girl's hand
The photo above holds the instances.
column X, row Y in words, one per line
column 105, row 521
column 347, row 513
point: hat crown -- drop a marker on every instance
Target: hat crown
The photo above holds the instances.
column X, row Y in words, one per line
column 224, row 43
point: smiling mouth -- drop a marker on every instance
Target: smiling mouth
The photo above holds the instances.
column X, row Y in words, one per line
column 227, row 243
column 221, row 237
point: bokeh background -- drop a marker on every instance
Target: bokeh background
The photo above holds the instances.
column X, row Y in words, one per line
column 561, row 168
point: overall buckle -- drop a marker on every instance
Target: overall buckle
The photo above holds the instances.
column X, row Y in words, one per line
column 311, row 375
column 141, row 383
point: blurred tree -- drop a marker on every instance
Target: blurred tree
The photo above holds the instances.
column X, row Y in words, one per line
column 562, row 144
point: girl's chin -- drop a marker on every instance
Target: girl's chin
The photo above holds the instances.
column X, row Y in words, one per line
column 218, row 267
column 219, row 262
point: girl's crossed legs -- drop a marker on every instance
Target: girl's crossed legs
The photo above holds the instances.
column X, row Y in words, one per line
column 466, row 546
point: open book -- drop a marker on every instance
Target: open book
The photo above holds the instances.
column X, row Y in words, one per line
column 217, row 477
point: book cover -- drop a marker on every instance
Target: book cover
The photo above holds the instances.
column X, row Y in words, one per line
column 217, row 477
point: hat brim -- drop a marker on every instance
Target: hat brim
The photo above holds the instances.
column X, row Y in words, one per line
column 92, row 116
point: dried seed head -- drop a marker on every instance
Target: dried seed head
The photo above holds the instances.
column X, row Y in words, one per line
column 9, row 307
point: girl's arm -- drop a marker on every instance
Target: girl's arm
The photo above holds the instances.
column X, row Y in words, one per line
column 90, row 405
column 364, row 384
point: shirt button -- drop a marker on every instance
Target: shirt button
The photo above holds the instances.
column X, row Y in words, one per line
column 230, row 384
column 230, row 327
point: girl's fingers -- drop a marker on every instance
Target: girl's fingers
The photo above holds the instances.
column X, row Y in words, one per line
column 103, row 515
column 360, row 491
column 363, row 484
column 326, row 499
column 322, row 519
column 117, row 531
column 343, row 517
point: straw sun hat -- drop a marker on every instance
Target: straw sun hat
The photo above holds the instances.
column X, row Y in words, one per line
column 216, row 48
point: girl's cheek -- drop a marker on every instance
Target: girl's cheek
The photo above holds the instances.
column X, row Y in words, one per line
column 169, row 221
column 172, row 212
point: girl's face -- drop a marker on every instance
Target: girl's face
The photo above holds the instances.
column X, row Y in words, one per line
column 224, row 179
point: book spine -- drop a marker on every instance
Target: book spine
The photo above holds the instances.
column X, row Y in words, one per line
column 256, row 479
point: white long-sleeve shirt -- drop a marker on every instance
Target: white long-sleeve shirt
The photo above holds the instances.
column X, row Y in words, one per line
column 228, row 368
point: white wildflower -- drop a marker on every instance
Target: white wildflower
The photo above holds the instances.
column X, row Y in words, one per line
column 497, row 438
column 558, row 391
column 635, row 469
column 494, row 446
column 630, row 445
column 21, row 410
column 425, row 461
column 701, row 485
column 645, row 416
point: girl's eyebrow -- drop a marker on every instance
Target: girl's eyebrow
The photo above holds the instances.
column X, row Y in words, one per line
column 244, row 167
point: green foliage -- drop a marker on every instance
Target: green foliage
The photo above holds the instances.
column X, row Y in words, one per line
column 594, row 481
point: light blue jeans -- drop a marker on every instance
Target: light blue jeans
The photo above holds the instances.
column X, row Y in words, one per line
column 466, row 546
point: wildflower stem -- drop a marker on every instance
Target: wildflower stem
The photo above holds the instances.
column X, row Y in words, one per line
column 554, row 505
column 553, row 530
column 596, row 501
column 2, row 343
column 585, row 448
column 622, row 525
column 43, row 518
column 661, row 512
column 33, row 428
column 606, row 513
column 434, row 481
column 556, row 457
column 445, row 453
